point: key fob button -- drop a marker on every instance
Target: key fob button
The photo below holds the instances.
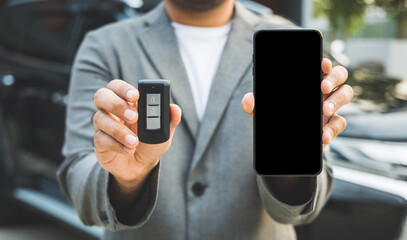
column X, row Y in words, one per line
column 153, row 99
column 153, row 111
column 153, row 123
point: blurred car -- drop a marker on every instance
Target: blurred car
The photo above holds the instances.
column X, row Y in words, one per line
column 38, row 41
column 369, row 161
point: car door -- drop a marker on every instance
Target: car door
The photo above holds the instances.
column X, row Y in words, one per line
column 358, row 210
column 369, row 198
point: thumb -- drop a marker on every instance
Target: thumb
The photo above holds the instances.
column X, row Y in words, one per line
column 176, row 114
column 248, row 103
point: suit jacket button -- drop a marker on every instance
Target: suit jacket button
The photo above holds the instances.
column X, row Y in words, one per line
column 198, row 188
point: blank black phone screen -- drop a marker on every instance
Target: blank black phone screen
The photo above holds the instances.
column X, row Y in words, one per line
column 288, row 102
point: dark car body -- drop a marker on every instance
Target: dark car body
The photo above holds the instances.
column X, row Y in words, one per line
column 38, row 41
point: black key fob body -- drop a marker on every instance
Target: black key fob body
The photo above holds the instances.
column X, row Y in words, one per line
column 154, row 111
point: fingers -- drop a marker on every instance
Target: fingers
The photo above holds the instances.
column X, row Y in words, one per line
column 106, row 99
column 336, row 77
column 120, row 138
column 103, row 142
column 335, row 96
column 124, row 90
column 338, row 98
column 326, row 65
column 118, row 98
column 335, row 126
column 248, row 103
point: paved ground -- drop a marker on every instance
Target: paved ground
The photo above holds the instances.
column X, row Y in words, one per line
column 38, row 228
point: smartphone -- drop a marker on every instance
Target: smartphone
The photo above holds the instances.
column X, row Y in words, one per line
column 287, row 116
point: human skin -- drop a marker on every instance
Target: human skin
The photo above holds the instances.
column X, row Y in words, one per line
column 335, row 95
column 129, row 161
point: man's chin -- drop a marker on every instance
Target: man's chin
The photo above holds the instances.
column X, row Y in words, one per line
column 197, row 5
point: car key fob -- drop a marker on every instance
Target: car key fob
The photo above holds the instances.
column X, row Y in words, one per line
column 154, row 111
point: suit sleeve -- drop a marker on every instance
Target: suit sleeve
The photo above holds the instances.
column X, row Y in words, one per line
column 83, row 180
column 297, row 213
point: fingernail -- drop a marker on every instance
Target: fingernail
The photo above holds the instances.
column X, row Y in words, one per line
column 130, row 115
column 130, row 139
column 329, row 84
column 131, row 94
column 331, row 107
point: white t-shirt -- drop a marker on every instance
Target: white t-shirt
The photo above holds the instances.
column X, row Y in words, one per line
column 201, row 49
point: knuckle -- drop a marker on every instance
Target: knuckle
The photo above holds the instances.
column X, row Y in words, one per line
column 119, row 87
column 97, row 138
column 349, row 90
column 98, row 94
column 96, row 118
column 117, row 106
column 113, row 83
column 118, row 133
column 340, row 72
column 343, row 123
column 339, row 125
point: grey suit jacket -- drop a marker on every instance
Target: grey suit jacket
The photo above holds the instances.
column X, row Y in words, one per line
column 204, row 186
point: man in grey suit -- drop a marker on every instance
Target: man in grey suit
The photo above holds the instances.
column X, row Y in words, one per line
column 200, row 184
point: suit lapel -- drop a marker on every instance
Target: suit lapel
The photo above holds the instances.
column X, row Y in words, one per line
column 235, row 62
column 160, row 45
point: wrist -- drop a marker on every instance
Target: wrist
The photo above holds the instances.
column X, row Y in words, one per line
column 291, row 190
column 133, row 185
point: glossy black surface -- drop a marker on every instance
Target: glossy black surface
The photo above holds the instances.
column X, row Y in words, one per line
column 287, row 116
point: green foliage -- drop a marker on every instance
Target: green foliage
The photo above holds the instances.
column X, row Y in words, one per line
column 397, row 9
column 345, row 16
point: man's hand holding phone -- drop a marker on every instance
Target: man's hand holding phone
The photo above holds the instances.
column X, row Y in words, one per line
column 335, row 95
